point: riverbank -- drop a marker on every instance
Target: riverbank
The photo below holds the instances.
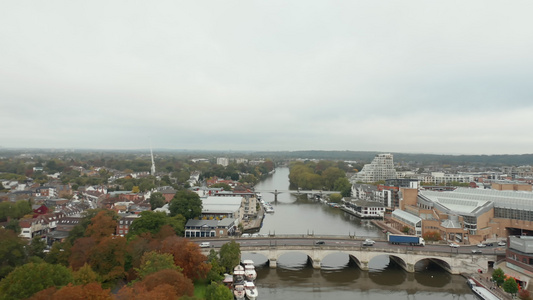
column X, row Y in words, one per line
column 255, row 224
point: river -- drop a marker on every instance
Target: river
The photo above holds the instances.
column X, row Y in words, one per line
column 338, row 278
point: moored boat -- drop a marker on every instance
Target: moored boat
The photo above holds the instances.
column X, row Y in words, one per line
column 251, row 290
column 249, row 272
column 239, row 292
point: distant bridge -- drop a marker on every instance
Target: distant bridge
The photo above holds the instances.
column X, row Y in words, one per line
column 455, row 261
column 297, row 192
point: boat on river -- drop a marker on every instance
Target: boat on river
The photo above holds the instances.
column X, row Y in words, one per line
column 249, row 270
column 251, row 290
column 239, row 291
column 483, row 293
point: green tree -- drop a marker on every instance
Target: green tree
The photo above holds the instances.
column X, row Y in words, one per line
column 36, row 247
column 498, row 276
column 187, row 204
column 152, row 262
column 85, row 275
column 230, row 255
column 31, row 278
column 153, row 222
column 12, row 252
column 344, row 186
column 217, row 291
column 217, row 271
column 157, row 200
column 336, row 197
column 14, row 225
column 510, row 286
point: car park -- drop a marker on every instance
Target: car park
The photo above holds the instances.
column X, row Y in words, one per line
column 454, row 245
column 205, row 245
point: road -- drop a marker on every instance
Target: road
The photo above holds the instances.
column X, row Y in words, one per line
column 345, row 242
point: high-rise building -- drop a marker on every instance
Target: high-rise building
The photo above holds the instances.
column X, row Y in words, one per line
column 381, row 168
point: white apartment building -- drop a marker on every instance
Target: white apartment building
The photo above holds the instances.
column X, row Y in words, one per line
column 381, row 168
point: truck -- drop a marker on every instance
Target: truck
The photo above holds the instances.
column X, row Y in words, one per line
column 412, row 240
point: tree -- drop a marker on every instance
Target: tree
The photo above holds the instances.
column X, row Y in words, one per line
column 12, row 252
column 107, row 258
column 92, row 290
column 187, row 255
column 153, row 262
column 498, row 276
column 405, row 229
column 14, row 225
column 215, row 274
column 36, row 247
column 217, row 291
column 510, row 286
column 230, row 255
column 102, row 225
column 157, row 200
column 336, row 197
column 165, row 284
column 187, row 204
column 31, row 278
column 432, row 236
column 85, row 275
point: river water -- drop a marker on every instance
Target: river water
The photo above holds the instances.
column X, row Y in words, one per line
column 338, row 279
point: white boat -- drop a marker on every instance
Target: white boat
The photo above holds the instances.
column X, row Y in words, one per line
column 238, row 274
column 249, row 272
column 251, row 290
column 269, row 209
column 239, row 292
column 483, row 293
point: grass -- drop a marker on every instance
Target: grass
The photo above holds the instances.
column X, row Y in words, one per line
column 200, row 287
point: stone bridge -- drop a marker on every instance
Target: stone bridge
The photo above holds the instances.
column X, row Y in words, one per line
column 455, row 263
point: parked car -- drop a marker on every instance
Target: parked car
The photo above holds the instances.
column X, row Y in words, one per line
column 454, row 245
column 489, row 244
column 476, row 251
column 205, row 245
column 320, row 243
column 502, row 243
column 480, row 245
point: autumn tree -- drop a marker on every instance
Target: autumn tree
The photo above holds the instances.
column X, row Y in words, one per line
column 187, row 255
column 92, row 290
column 12, row 252
column 187, row 204
column 230, row 255
column 31, row 278
column 217, row 291
column 107, row 259
column 102, row 225
column 59, row 253
column 165, row 284
column 524, row 295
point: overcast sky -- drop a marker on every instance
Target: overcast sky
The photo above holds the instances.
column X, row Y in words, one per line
column 393, row 76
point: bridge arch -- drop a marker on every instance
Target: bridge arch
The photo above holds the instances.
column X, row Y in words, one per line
column 443, row 262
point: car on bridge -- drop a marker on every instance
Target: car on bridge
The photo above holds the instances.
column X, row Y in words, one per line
column 368, row 242
column 502, row 243
column 320, row 243
column 454, row 245
column 480, row 245
column 476, row 251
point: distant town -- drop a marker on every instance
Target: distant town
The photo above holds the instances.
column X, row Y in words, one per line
column 47, row 196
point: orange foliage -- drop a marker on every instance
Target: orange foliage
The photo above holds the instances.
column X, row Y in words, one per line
column 80, row 252
column 108, row 257
column 91, row 291
column 47, row 294
column 187, row 255
column 165, row 284
column 102, row 226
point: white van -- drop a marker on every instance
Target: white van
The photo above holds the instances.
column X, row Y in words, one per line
column 205, row 245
